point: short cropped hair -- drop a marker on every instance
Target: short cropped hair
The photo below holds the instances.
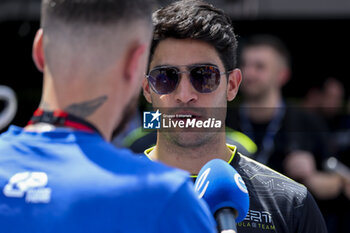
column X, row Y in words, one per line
column 94, row 11
column 195, row 19
column 93, row 30
column 270, row 41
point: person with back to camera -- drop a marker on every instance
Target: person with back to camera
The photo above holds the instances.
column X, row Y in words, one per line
column 59, row 174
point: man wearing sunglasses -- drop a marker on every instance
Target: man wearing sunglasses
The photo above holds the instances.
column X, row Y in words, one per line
column 192, row 72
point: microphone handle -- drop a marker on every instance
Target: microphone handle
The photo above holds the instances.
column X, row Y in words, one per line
column 226, row 220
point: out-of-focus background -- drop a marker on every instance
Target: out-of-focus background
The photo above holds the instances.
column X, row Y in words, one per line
column 316, row 33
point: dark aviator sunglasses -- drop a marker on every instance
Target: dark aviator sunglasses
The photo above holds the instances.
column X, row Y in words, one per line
column 204, row 78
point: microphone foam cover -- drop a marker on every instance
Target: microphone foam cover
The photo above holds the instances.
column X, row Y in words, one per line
column 220, row 185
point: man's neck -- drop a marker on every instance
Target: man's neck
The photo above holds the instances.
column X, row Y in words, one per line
column 86, row 111
column 262, row 110
column 88, row 104
column 190, row 159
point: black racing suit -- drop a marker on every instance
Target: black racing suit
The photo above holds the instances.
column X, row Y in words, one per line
column 277, row 203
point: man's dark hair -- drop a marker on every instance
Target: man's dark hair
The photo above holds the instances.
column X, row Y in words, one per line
column 271, row 41
column 94, row 11
column 194, row 19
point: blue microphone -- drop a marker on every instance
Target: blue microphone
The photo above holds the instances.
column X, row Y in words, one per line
column 225, row 192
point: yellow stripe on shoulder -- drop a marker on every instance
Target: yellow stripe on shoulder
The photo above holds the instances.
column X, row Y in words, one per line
column 148, row 151
column 244, row 140
column 232, row 148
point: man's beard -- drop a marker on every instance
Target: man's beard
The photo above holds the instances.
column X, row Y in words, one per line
column 128, row 114
column 190, row 139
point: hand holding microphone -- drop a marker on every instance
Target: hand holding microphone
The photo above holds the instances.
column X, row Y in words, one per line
column 220, row 185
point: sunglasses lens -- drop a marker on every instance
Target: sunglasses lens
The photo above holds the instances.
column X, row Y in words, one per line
column 163, row 80
column 205, row 79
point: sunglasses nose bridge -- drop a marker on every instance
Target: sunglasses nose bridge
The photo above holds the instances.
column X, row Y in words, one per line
column 183, row 72
column 185, row 92
column 182, row 75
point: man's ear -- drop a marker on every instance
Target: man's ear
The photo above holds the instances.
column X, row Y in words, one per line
column 234, row 80
column 38, row 50
column 136, row 60
column 146, row 91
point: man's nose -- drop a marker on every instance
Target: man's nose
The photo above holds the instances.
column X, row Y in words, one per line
column 185, row 93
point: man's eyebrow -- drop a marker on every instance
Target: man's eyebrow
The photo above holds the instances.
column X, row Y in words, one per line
column 163, row 65
column 203, row 64
column 189, row 65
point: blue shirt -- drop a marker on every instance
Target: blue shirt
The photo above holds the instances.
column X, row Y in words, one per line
column 71, row 181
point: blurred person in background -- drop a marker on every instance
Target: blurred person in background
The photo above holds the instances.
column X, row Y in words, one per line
column 289, row 139
column 328, row 101
column 332, row 99
column 60, row 173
